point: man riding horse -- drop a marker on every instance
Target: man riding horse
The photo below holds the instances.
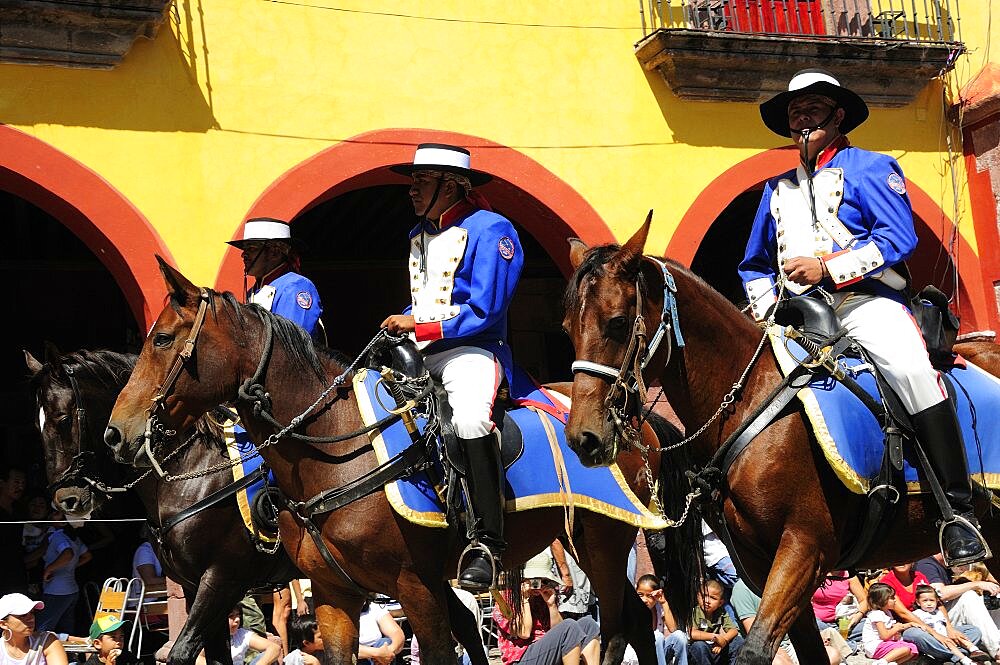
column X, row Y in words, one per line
column 842, row 221
column 271, row 257
column 465, row 262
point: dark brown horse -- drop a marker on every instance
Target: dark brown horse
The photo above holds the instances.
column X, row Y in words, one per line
column 75, row 394
column 376, row 549
column 788, row 513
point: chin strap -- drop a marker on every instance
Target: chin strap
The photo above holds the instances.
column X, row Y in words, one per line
column 423, row 226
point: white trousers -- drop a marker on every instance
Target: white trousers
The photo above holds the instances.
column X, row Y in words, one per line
column 969, row 609
column 471, row 377
column 892, row 338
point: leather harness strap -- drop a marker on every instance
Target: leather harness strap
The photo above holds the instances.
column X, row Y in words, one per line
column 185, row 352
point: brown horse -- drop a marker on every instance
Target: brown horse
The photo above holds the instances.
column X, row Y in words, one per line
column 788, row 513
column 376, row 549
column 983, row 354
column 74, row 394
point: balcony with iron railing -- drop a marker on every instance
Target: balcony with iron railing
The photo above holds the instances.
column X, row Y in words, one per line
column 746, row 50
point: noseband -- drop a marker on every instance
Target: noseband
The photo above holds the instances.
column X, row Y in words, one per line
column 627, row 380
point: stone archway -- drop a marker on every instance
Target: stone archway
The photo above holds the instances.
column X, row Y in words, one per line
column 746, row 175
column 108, row 224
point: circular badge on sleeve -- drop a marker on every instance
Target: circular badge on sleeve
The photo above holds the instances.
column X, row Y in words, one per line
column 304, row 299
column 506, row 246
column 896, row 183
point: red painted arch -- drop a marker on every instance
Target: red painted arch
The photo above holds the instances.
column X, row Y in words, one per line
column 523, row 189
column 974, row 306
column 111, row 227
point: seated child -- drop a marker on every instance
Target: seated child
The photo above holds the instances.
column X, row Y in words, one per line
column 881, row 635
column 715, row 639
column 930, row 611
column 671, row 643
column 305, row 642
column 107, row 635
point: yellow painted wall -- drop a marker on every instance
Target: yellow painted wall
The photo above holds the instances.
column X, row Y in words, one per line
column 195, row 124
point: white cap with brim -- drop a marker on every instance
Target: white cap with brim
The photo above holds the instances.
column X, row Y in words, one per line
column 443, row 157
column 539, row 565
column 19, row 604
column 266, row 229
column 774, row 111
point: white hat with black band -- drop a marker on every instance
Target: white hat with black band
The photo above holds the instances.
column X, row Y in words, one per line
column 443, row 157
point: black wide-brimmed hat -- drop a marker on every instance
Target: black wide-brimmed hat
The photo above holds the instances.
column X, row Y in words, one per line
column 443, row 157
column 813, row 82
column 267, row 229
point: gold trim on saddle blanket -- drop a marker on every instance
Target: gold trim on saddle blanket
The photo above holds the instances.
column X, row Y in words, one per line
column 242, row 497
column 565, row 498
column 851, row 479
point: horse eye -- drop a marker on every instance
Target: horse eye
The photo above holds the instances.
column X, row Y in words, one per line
column 618, row 324
column 64, row 423
column 162, row 340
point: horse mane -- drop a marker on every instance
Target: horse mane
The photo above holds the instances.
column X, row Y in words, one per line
column 592, row 266
column 109, row 368
column 679, row 556
column 289, row 335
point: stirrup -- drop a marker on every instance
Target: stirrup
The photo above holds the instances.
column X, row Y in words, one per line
column 958, row 519
column 476, row 546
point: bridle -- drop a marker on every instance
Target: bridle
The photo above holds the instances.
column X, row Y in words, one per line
column 628, row 385
column 154, row 428
column 82, row 464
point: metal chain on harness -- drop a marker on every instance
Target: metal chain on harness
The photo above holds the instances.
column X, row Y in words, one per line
column 275, row 437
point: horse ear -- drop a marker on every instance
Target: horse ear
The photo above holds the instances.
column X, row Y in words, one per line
column 34, row 366
column 577, row 251
column 180, row 289
column 53, row 358
column 627, row 260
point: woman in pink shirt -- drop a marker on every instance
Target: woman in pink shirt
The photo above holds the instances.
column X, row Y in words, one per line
column 833, row 591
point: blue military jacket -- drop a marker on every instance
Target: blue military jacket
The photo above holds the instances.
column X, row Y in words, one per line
column 293, row 297
column 864, row 226
column 462, row 280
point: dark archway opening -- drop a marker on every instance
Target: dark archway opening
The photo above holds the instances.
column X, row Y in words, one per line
column 357, row 257
column 723, row 246
column 60, row 292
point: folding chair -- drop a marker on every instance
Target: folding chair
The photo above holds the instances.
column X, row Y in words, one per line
column 121, row 598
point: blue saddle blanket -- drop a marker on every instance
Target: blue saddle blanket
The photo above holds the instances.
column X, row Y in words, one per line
column 852, row 440
column 238, row 445
column 548, row 474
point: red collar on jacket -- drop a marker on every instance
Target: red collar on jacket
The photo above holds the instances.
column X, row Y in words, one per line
column 828, row 153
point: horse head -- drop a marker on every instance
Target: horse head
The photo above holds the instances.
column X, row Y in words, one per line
column 186, row 368
column 74, row 394
column 612, row 299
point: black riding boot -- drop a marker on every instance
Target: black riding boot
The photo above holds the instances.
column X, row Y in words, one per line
column 485, row 481
column 940, row 436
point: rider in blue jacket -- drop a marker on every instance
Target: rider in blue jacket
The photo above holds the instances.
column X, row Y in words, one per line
column 465, row 262
column 271, row 257
column 842, row 221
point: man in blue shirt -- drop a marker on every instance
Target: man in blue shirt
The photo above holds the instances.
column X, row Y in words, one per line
column 271, row 257
column 842, row 221
column 465, row 262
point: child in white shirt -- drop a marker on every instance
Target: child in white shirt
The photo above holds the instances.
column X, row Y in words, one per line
column 881, row 634
column 930, row 611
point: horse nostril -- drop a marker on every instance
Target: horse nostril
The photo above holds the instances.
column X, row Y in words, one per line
column 69, row 503
column 590, row 441
column 113, row 437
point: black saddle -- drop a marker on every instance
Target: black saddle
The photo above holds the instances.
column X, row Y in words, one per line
column 403, row 356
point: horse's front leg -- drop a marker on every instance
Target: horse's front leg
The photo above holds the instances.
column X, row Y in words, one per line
column 790, row 584
column 427, row 611
column 806, row 639
column 206, row 625
column 625, row 619
column 337, row 613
